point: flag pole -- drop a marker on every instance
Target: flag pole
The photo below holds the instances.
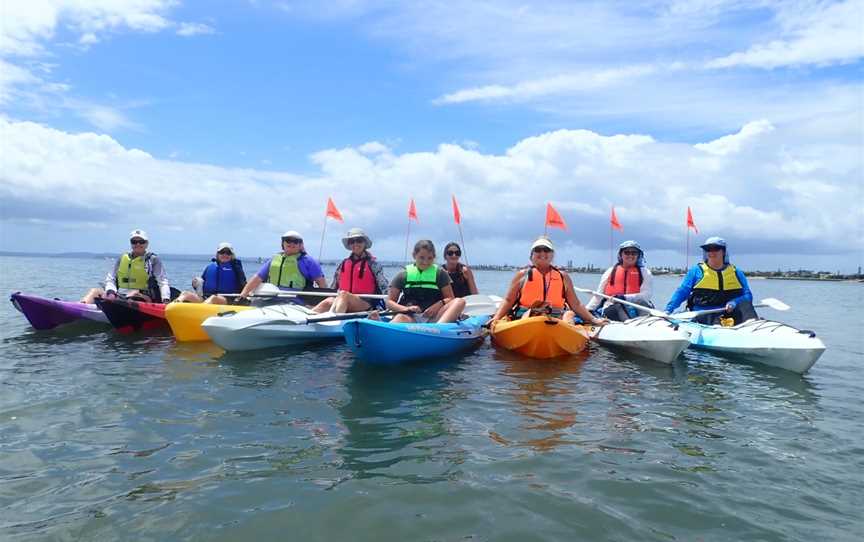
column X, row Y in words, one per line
column 462, row 239
column 407, row 236
column 611, row 233
column 687, row 250
column 323, row 231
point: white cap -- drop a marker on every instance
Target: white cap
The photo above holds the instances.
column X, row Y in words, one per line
column 140, row 234
column 292, row 233
column 543, row 242
column 225, row 244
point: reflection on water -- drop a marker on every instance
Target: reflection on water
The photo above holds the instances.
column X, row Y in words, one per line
column 544, row 392
column 394, row 421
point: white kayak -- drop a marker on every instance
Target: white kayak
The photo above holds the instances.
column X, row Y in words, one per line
column 268, row 327
column 760, row 341
column 646, row 336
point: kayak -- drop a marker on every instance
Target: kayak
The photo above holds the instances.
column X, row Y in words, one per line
column 759, row 341
column 540, row 337
column 268, row 327
column 185, row 319
column 385, row 343
column 127, row 315
column 646, row 336
column 44, row 313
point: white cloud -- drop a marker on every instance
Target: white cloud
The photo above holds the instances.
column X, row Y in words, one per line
column 733, row 143
column 822, row 34
column 754, row 198
column 194, row 29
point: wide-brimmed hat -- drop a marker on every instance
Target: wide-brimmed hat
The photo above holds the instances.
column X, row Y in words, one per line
column 355, row 233
column 543, row 242
column 141, row 234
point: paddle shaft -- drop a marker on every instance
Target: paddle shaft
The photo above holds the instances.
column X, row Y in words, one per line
column 313, row 293
column 649, row 310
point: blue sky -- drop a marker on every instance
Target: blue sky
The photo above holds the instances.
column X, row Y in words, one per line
column 236, row 120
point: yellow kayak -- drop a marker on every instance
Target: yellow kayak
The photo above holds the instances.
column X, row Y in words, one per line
column 540, row 337
column 185, row 318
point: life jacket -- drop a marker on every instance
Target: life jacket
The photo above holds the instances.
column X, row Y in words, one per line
column 285, row 272
column 356, row 276
column 715, row 288
column 459, row 282
column 421, row 287
column 624, row 281
column 224, row 278
column 133, row 273
column 548, row 288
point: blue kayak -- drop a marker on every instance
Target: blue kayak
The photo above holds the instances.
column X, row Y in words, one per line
column 383, row 343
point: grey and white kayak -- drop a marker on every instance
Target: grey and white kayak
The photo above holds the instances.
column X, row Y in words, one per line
column 759, row 341
column 649, row 337
column 269, row 327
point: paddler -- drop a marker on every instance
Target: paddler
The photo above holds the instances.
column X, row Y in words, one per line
column 461, row 276
column 542, row 287
column 137, row 274
column 359, row 273
column 714, row 283
column 224, row 275
column 629, row 279
column 424, row 290
column 291, row 269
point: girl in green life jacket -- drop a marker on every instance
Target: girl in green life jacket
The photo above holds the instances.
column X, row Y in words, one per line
column 424, row 290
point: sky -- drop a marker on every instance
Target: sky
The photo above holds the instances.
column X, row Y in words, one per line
column 202, row 122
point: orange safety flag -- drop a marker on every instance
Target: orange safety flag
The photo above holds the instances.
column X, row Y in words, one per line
column 332, row 211
column 553, row 219
column 690, row 223
column 457, row 216
column 614, row 221
column 412, row 212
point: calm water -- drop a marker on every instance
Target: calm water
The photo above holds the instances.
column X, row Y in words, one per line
column 106, row 437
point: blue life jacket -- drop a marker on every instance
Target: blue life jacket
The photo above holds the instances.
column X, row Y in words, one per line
column 227, row 278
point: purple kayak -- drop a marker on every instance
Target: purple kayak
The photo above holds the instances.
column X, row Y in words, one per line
column 44, row 313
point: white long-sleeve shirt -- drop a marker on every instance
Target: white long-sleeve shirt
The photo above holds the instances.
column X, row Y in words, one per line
column 646, row 291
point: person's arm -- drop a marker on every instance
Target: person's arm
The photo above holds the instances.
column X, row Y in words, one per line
column 469, row 277
column 576, row 305
column 646, row 291
column 683, row 292
column 596, row 300
column 510, row 298
column 111, row 279
column 395, row 291
column 253, row 283
column 158, row 270
column 380, row 278
column 311, row 269
column 335, row 284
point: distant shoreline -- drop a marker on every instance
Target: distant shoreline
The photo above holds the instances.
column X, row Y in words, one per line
column 807, row 275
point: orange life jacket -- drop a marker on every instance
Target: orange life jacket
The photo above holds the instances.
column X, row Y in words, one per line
column 539, row 287
column 624, row 281
column 357, row 277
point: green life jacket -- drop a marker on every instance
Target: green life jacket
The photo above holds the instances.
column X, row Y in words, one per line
column 132, row 272
column 421, row 287
column 285, row 272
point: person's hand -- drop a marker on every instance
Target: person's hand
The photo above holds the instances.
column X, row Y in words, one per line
column 599, row 321
column 413, row 309
column 111, row 295
column 432, row 310
column 166, row 300
column 729, row 307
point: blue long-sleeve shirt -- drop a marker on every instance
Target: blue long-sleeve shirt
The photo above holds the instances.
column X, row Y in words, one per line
column 694, row 276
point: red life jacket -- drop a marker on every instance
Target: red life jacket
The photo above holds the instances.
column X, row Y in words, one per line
column 624, row 281
column 357, row 277
column 539, row 287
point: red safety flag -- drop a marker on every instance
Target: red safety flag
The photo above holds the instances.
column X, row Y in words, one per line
column 690, row 223
column 614, row 221
column 457, row 216
column 553, row 219
column 412, row 212
column 332, row 211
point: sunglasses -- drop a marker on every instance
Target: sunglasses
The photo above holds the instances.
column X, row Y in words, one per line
column 542, row 249
column 713, row 249
column 225, row 252
column 630, row 252
column 356, row 240
column 138, row 241
column 453, row 253
column 292, row 240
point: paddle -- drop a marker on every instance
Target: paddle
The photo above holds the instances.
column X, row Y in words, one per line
column 304, row 293
column 481, row 305
column 643, row 308
column 769, row 302
column 301, row 320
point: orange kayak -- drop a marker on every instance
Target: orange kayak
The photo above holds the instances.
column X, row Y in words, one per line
column 540, row 337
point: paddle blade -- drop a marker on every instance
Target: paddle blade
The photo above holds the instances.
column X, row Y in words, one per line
column 481, row 305
column 775, row 304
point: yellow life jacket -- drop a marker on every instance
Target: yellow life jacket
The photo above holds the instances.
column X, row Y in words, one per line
column 285, row 272
column 132, row 272
column 715, row 288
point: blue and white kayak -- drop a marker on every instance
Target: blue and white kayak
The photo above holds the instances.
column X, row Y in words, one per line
column 384, row 343
column 759, row 341
column 269, row 327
